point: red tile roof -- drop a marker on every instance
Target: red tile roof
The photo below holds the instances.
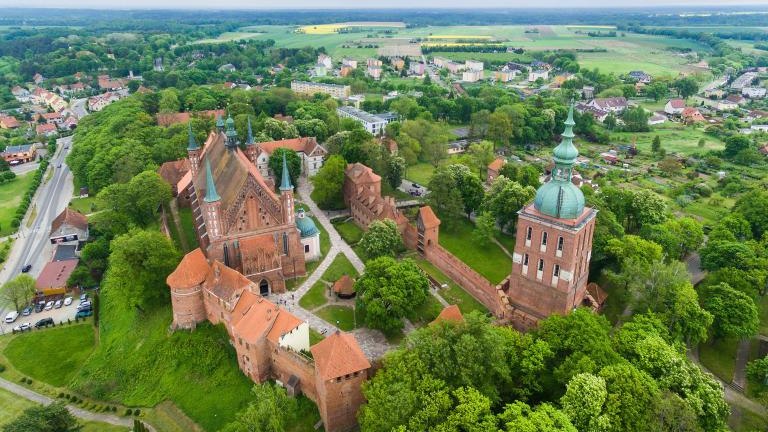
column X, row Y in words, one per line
column 255, row 317
column 173, row 171
column 306, row 145
column 496, row 164
column 191, row 271
column 168, row 119
column 55, row 274
column 338, row 355
column 70, row 217
column 449, row 313
column 427, row 217
column 45, row 128
column 677, row 103
column 344, row 286
column 360, row 172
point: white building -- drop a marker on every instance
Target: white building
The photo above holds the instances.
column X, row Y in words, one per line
column 674, row 107
column 533, row 75
column 310, row 236
column 744, row 80
column 474, row 65
column 309, row 88
column 472, row 76
column 349, row 62
column 311, row 153
column 325, row 60
column 375, row 124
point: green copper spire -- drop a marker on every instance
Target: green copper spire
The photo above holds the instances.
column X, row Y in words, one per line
column 219, row 122
column 285, row 184
column 193, row 145
column 231, row 133
column 559, row 197
column 210, row 187
column 250, row 132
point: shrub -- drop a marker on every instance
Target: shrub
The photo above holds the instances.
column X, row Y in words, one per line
column 2, row 367
column 61, row 395
column 128, row 412
column 137, row 412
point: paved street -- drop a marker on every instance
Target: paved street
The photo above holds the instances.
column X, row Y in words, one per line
column 32, row 245
column 24, row 168
column 407, row 185
column 78, row 107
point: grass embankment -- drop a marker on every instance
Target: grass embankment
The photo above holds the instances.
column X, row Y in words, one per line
column 719, row 356
column 11, row 194
column 138, row 363
column 488, row 260
column 85, row 205
column 452, row 293
column 13, row 405
column 54, row 355
column 188, row 227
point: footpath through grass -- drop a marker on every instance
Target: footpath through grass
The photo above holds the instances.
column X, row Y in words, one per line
column 488, row 260
column 316, row 297
column 52, row 355
column 11, row 407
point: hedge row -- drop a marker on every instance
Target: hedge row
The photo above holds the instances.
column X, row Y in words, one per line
column 27, row 199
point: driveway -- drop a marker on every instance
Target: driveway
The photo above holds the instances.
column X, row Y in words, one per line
column 60, row 315
column 407, row 185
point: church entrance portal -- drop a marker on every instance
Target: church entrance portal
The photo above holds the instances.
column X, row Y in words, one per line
column 264, row 287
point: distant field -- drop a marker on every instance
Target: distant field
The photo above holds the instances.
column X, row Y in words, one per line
column 334, row 28
column 230, row 36
column 622, row 53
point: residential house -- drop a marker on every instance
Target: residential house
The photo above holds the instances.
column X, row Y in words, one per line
column 372, row 62
column 454, row 67
column 598, row 113
column 474, row 65
column 614, row 104
column 374, row 72
column 737, row 99
column 505, row 75
column 46, row 129
column 753, row 92
column 20, row 93
column 692, row 115
column 53, row 278
column 535, row 74
column 657, row 119
column 640, row 76
column 107, row 83
column 726, row 105
column 417, row 68
column 674, row 107
column 493, row 169
column 345, row 71
column 98, row 102
column 70, row 227
column 325, row 60
column 714, row 93
column 398, row 63
column 51, row 118
column 38, row 79
column 8, row 122
column 20, row 153
column 349, row 62
column 587, row 92
column 745, row 80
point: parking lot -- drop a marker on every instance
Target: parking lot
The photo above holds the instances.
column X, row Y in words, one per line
column 62, row 314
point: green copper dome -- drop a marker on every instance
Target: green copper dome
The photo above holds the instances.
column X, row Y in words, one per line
column 559, row 197
column 306, row 225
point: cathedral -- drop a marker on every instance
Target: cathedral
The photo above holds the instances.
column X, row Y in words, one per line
column 240, row 220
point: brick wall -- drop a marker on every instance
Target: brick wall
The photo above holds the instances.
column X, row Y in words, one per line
column 477, row 286
column 286, row 363
column 340, row 400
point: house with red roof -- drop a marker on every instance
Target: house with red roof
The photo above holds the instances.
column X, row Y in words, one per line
column 46, row 129
column 311, row 153
column 674, row 107
column 494, row 168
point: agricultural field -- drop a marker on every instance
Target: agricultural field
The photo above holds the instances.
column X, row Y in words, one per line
column 335, row 28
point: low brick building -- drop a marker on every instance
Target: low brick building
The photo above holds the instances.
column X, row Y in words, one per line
column 362, row 195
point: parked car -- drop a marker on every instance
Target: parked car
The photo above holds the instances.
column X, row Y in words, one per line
column 40, row 306
column 22, row 327
column 83, row 297
column 67, row 301
column 45, row 322
column 84, row 306
column 49, row 305
column 84, row 313
column 57, row 305
column 27, row 311
column 415, row 192
column 26, row 268
column 415, row 186
column 11, row 316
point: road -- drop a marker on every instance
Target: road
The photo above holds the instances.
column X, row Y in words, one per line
column 32, row 245
column 24, row 168
column 407, row 185
column 78, row 107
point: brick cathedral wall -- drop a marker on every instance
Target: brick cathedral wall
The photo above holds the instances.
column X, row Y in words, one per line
column 340, row 401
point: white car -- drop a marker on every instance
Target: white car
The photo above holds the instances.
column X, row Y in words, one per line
column 67, row 301
column 11, row 316
column 57, row 304
column 22, row 327
column 49, row 305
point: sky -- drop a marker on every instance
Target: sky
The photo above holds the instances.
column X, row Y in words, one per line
column 357, row 4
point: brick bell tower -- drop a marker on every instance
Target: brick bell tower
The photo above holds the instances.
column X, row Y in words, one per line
column 553, row 245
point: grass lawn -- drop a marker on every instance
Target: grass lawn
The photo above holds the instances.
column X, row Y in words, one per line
column 315, row 297
column 349, row 231
column 339, row 267
column 341, row 316
column 675, row 138
column 707, row 213
column 139, row 363
column 420, row 173
column 427, row 312
column 188, row 227
column 84, row 205
column 453, row 293
column 506, row 240
column 52, row 355
column 747, row 421
column 315, row 337
column 13, row 405
column 719, row 356
column 490, row 261
column 10, row 198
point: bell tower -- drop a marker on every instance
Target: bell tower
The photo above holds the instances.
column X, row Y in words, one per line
column 554, row 243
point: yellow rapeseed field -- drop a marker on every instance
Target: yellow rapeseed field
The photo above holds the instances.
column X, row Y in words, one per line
column 458, row 37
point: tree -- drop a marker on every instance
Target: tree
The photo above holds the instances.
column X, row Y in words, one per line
column 485, row 226
column 752, row 206
column 138, row 266
column 470, row 187
column 635, row 119
column 500, row 128
column 736, row 144
column 583, row 402
column 656, row 90
column 54, row 417
column 686, row 87
column 656, row 144
column 505, row 198
column 632, row 397
column 481, row 154
column 734, row 313
column 526, row 175
column 18, row 291
column 276, row 165
column 271, row 411
column 382, row 239
column 719, row 254
column 138, row 200
column 389, row 290
column 430, row 140
column 395, row 170
column 751, row 282
column 328, row 184
column 444, row 197
column 169, row 101
column 543, row 418
column 678, row 237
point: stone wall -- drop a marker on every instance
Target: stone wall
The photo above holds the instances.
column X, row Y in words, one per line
column 286, row 363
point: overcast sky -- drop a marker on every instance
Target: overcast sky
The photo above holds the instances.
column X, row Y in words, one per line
column 356, row 4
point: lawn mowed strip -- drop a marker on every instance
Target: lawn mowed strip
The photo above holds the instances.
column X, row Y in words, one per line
column 349, row 231
column 342, row 317
column 315, row 297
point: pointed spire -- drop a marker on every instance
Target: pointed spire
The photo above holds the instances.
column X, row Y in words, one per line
column 210, row 187
column 566, row 153
column 285, row 184
column 231, row 133
column 219, row 123
column 250, row 132
column 193, row 145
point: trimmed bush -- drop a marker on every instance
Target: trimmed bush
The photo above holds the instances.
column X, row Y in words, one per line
column 128, row 412
column 137, row 412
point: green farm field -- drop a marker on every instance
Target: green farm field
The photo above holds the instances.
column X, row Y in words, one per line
column 10, row 198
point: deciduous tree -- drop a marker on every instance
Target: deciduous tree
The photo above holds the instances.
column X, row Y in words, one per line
column 734, row 313
column 328, row 183
column 276, row 165
column 381, row 239
column 18, row 291
column 271, row 411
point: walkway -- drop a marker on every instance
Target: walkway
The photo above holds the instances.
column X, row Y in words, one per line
column 77, row 412
column 372, row 342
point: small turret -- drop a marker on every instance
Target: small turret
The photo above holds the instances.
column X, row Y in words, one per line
column 210, row 187
column 286, row 192
column 211, row 205
column 231, row 133
column 219, row 123
column 193, row 151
